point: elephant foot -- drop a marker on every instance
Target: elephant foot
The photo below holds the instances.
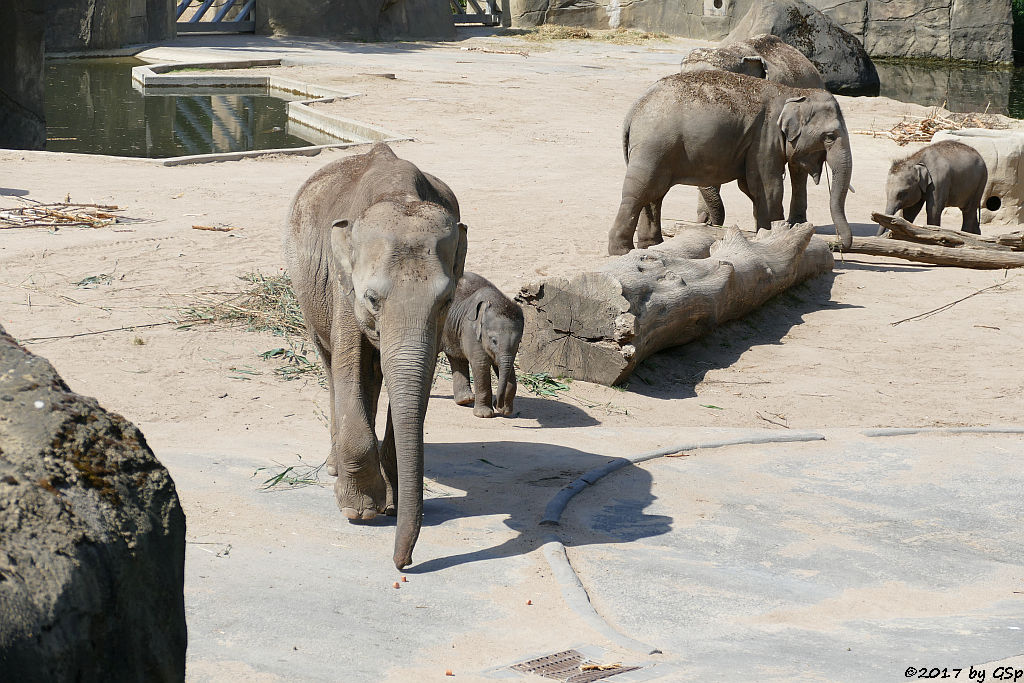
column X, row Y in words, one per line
column 619, row 247
column 504, row 411
column 483, row 411
column 466, row 400
column 644, row 244
column 704, row 217
column 796, row 220
column 357, row 505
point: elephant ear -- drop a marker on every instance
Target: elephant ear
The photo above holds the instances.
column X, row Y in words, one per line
column 341, row 248
column 477, row 316
column 924, row 179
column 790, row 120
column 460, row 253
column 754, row 65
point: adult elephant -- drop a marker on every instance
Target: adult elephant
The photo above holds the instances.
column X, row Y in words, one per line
column 375, row 250
column 762, row 56
column 712, row 127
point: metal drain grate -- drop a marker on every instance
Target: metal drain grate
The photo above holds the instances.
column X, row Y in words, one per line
column 565, row 666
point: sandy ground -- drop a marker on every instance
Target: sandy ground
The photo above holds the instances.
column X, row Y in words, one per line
column 531, row 147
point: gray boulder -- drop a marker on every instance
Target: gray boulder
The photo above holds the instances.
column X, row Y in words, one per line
column 73, row 25
column 357, row 19
column 839, row 56
column 22, row 122
column 92, row 556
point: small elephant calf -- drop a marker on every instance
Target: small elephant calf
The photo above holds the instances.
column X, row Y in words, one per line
column 946, row 173
column 483, row 330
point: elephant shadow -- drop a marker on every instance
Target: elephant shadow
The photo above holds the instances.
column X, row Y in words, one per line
column 549, row 413
column 675, row 372
column 515, row 480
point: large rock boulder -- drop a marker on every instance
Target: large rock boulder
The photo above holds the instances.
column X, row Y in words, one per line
column 73, row 25
column 978, row 30
column 22, row 121
column 357, row 19
column 92, row 556
column 839, row 56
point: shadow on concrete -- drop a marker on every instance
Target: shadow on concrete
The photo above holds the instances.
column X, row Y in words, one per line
column 675, row 372
column 11, row 192
column 515, row 480
column 549, row 413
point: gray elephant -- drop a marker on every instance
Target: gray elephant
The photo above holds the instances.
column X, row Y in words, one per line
column 946, row 173
column 711, row 127
column 483, row 331
column 375, row 250
column 762, row 56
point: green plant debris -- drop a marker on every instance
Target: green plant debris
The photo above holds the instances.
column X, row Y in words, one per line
column 542, row 383
column 713, row 407
column 267, row 304
column 295, row 364
column 286, row 477
column 94, row 281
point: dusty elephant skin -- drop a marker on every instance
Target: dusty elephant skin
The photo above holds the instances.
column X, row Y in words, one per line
column 762, row 56
column 92, row 538
column 946, row 173
column 483, row 331
column 711, row 127
column 375, row 250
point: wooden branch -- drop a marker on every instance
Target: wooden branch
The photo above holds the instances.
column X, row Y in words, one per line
column 983, row 259
column 903, row 229
column 599, row 324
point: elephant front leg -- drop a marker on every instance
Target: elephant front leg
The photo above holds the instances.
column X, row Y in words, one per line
column 389, row 465
column 798, row 198
column 461, row 391
column 360, row 489
column 766, row 194
column 911, row 212
column 482, row 385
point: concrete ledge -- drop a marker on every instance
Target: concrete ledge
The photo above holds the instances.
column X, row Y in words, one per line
column 303, row 113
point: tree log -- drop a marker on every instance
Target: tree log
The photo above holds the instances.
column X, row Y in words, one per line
column 902, row 229
column 598, row 325
column 982, row 259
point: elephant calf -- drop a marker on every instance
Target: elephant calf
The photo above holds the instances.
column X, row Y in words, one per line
column 946, row 173
column 375, row 250
column 483, row 331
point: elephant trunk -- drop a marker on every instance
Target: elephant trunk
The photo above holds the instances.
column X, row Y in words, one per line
column 840, row 160
column 408, row 356
column 505, row 370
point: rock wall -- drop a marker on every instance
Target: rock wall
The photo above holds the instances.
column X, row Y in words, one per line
column 975, row 30
column 972, row 30
column 73, row 25
column 92, row 558
column 357, row 19
column 22, row 122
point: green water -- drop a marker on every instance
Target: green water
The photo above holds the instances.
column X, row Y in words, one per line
column 961, row 88
column 92, row 108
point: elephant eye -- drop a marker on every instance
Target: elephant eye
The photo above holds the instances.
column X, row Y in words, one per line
column 372, row 299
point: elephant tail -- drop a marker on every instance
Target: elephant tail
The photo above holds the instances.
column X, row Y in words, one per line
column 625, row 138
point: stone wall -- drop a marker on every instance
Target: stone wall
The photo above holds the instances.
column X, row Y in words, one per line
column 22, row 123
column 73, row 25
column 357, row 19
column 973, row 30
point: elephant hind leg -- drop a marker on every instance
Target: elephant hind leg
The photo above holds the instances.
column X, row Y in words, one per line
column 642, row 186
column 972, row 213
column 649, row 227
column 710, row 208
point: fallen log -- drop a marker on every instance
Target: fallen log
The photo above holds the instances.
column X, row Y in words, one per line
column 598, row 325
column 902, row 229
column 981, row 259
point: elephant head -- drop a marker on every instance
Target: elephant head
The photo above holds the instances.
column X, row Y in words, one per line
column 815, row 133
column 499, row 329
column 906, row 188
column 399, row 263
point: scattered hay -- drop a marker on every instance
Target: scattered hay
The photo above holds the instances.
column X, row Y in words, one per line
column 618, row 36
column 59, row 215
column 268, row 304
column 923, row 128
